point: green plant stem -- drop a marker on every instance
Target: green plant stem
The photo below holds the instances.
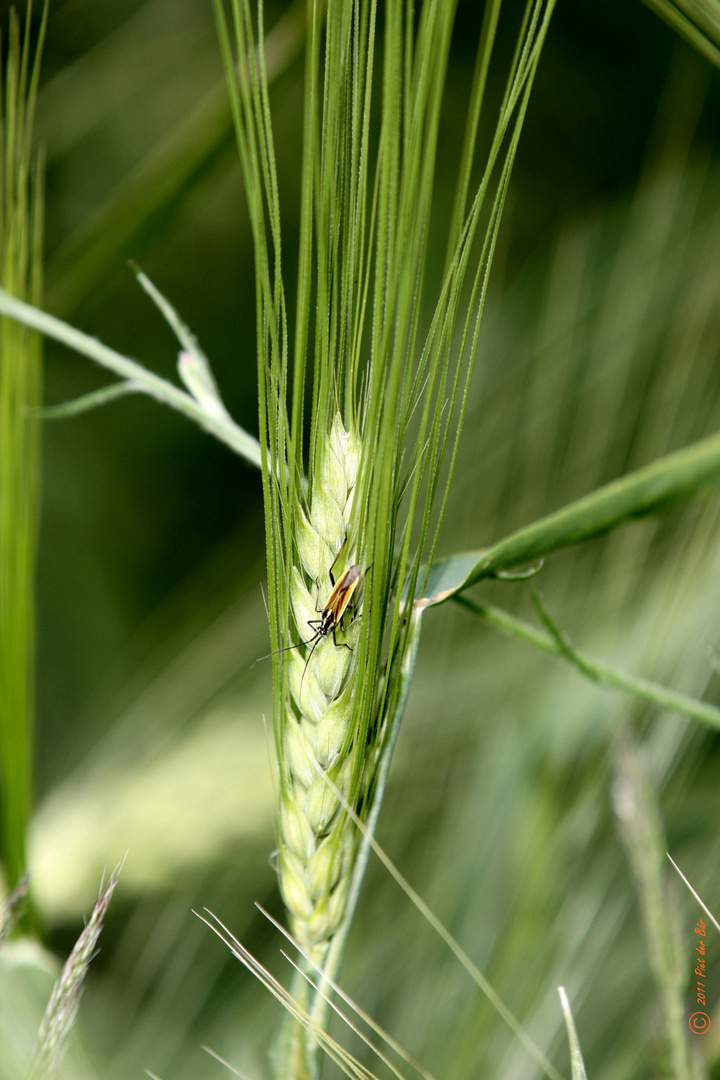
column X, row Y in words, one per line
column 21, row 218
column 576, row 1059
column 223, row 428
column 592, row 667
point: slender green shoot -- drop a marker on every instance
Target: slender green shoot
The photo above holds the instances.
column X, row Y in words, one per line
column 576, row 1059
column 338, row 991
column 21, row 210
column 201, row 404
column 699, row 899
column 556, row 642
column 294, row 1007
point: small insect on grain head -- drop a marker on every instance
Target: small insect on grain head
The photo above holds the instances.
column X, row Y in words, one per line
column 332, row 614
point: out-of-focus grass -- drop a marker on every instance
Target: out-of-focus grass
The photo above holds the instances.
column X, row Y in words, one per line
column 517, row 845
column 697, row 20
column 499, row 808
column 599, row 356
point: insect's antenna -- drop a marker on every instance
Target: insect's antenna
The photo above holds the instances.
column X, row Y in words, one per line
column 285, row 648
column 316, row 641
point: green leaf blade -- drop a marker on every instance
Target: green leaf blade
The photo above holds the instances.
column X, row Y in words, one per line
column 668, row 483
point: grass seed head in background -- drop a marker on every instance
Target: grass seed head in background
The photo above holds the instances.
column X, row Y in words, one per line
column 388, row 389
column 59, row 1016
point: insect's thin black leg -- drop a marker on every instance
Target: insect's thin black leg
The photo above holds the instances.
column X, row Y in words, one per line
column 339, row 644
column 351, row 623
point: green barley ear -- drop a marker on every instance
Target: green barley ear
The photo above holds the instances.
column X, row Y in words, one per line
column 316, row 837
column 389, row 383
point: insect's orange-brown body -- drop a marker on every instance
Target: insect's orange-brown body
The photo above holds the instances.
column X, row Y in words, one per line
column 337, row 603
column 332, row 613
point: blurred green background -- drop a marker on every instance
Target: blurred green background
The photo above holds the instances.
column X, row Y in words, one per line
column 599, row 352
